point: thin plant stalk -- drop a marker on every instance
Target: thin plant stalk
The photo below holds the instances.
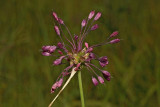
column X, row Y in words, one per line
column 81, row 88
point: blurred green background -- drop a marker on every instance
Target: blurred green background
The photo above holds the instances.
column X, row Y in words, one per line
column 26, row 76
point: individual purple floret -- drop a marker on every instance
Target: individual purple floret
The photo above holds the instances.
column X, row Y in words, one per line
column 48, row 50
column 101, row 80
column 77, row 53
column 94, row 80
column 106, row 75
column 103, row 61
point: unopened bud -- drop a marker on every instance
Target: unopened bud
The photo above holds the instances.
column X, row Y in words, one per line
column 57, row 30
column 86, row 44
column 83, row 23
column 58, row 61
column 59, row 84
column 46, row 54
column 60, row 45
column 101, row 80
column 54, row 86
column 94, row 80
column 114, row 34
column 60, row 21
column 114, row 41
column 55, row 16
column 91, row 14
column 60, row 52
column 94, row 27
column 106, row 75
column 98, row 15
column 76, row 37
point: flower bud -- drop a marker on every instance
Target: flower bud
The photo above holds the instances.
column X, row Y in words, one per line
column 45, row 48
column 59, row 84
column 103, row 61
column 91, row 14
column 92, row 56
column 89, row 50
column 46, row 54
column 114, row 41
column 101, row 80
column 60, row 52
column 106, row 75
column 76, row 37
column 60, row 45
column 114, row 34
column 60, row 21
column 94, row 80
column 54, row 86
column 55, row 16
column 58, row 61
column 52, row 49
column 57, row 30
column 98, row 15
column 86, row 44
column 83, row 23
column 94, row 27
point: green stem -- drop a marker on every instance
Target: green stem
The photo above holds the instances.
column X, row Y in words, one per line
column 81, row 88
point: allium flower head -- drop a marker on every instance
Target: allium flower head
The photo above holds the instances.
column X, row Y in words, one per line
column 77, row 53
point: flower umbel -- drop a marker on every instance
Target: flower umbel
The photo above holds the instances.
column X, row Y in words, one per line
column 77, row 53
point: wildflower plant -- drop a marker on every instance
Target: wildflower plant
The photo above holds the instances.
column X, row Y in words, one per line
column 78, row 53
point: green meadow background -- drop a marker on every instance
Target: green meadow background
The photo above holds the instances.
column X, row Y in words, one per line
column 26, row 76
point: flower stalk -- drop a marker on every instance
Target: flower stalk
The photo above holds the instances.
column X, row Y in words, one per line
column 81, row 88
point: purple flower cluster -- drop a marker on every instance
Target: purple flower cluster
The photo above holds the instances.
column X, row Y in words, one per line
column 74, row 54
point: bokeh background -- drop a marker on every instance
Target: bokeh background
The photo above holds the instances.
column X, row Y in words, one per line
column 26, row 76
